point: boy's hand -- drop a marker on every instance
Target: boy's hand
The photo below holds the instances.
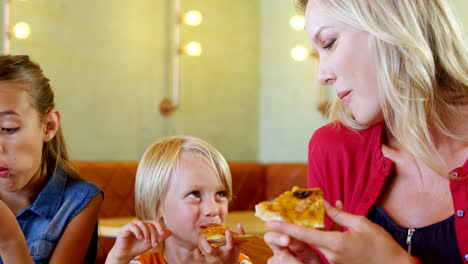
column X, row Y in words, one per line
column 228, row 253
column 135, row 239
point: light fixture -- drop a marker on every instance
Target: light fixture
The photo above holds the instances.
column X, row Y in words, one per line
column 21, row 30
column 6, row 26
column 300, row 53
column 193, row 48
column 193, row 18
column 297, row 22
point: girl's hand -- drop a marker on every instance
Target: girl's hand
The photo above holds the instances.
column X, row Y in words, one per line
column 362, row 242
column 135, row 239
column 228, row 253
column 13, row 248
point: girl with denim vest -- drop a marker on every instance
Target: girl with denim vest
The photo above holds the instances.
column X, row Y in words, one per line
column 56, row 210
column 13, row 248
column 182, row 184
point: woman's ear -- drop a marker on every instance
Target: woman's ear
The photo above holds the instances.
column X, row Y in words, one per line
column 51, row 125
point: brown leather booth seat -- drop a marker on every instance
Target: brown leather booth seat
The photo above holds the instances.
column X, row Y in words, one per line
column 252, row 182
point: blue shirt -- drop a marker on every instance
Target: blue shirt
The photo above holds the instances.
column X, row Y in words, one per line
column 436, row 243
column 56, row 205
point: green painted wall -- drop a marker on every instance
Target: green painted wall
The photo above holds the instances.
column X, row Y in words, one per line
column 288, row 114
column 461, row 11
column 109, row 64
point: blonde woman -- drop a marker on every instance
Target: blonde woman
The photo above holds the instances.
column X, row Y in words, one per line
column 182, row 184
column 394, row 159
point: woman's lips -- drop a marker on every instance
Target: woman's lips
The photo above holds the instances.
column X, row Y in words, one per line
column 4, row 172
column 344, row 96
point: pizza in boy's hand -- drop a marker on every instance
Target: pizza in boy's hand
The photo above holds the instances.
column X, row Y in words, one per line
column 215, row 235
column 299, row 206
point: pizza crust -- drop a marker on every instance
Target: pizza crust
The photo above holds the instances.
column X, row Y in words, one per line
column 299, row 206
column 215, row 235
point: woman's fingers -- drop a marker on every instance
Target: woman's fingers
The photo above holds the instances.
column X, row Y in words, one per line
column 279, row 245
column 342, row 218
column 313, row 236
column 276, row 239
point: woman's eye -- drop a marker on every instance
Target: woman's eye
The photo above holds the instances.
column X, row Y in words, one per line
column 329, row 44
column 10, row 130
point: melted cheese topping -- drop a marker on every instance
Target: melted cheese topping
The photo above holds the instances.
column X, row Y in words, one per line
column 299, row 206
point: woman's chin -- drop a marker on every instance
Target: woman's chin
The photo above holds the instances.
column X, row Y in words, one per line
column 367, row 121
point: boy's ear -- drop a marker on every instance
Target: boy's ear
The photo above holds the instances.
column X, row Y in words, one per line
column 51, row 124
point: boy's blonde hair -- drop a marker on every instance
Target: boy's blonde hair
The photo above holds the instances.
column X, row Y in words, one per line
column 422, row 68
column 159, row 163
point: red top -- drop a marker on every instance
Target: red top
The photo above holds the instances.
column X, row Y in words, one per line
column 349, row 166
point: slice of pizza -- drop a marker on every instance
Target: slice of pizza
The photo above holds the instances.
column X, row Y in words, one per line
column 215, row 235
column 299, row 206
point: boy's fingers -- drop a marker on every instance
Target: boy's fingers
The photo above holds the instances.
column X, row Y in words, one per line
column 240, row 229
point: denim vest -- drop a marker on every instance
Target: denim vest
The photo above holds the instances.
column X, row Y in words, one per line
column 56, row 205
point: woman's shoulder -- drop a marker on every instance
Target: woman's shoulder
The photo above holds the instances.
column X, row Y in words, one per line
column 338, row 135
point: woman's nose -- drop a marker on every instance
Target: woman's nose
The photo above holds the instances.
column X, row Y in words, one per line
column 325, row 75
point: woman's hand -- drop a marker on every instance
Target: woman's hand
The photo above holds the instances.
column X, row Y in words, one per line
column 135, row 239
column 228, row 253
column 362, row 242
column 290, row 250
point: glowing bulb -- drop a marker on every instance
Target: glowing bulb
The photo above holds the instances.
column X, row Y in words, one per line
column 299, row 53
column 193, row 18
column 21, row 30
column 193, row 48
column 297, row 22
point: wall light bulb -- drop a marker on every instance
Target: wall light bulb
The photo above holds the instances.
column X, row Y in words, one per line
column 193, row 18
column 299, row 53
column 193, row 48
column 297, row 22
column 21, row 30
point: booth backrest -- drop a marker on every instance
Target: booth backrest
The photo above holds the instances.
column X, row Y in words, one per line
column 252, row 183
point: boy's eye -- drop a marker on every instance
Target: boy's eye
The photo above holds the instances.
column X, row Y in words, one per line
column 221, row 194
column 194, row 194
column 10, row 130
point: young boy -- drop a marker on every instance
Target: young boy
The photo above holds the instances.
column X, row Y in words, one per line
column 182, row 184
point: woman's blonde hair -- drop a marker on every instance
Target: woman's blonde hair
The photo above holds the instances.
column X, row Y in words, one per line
column 422, row 68
column 21, row 70
column 159, row 163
